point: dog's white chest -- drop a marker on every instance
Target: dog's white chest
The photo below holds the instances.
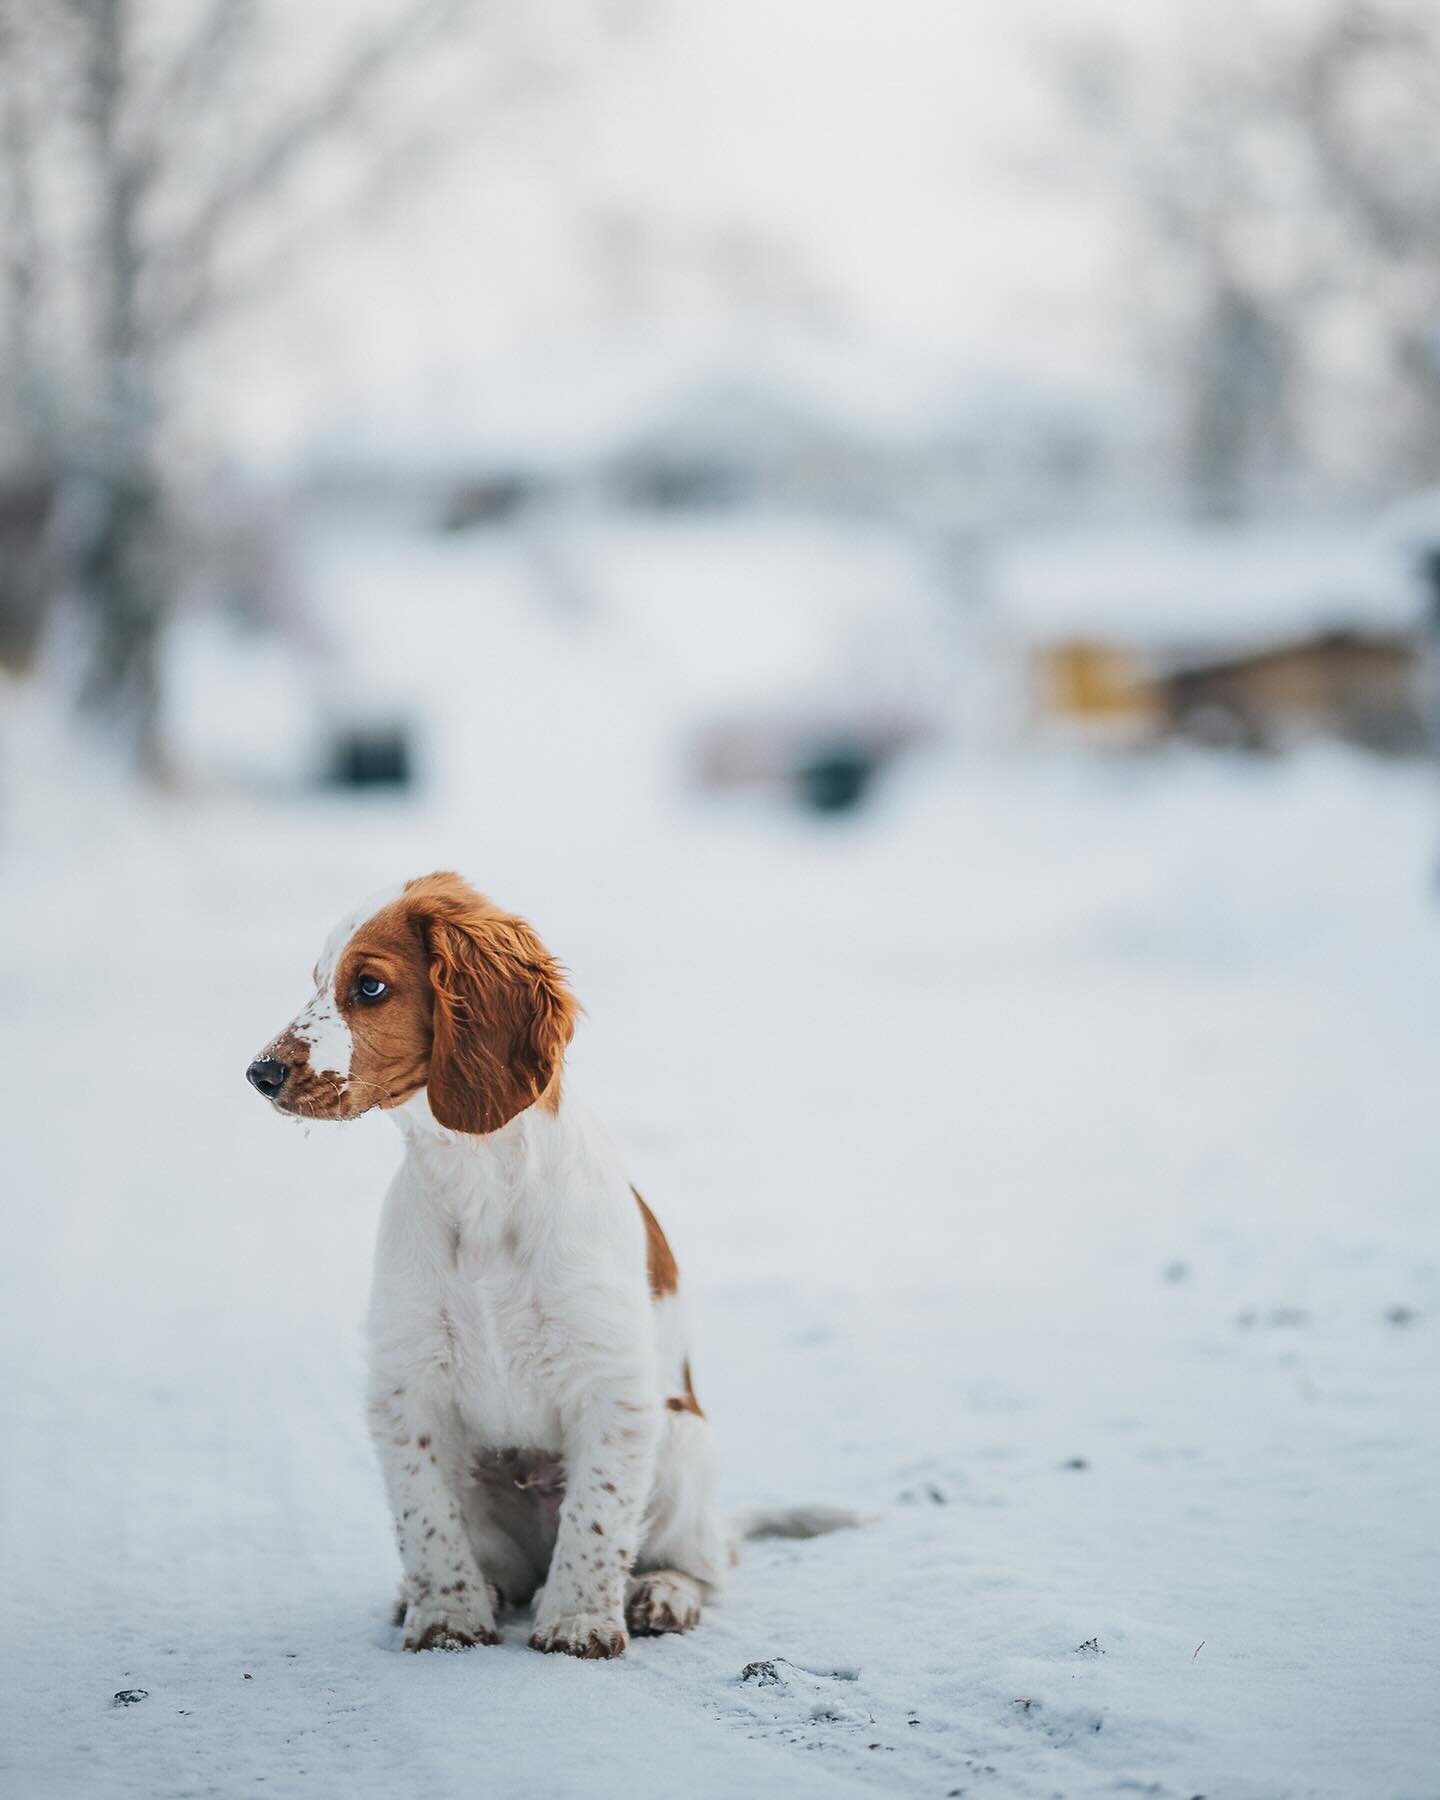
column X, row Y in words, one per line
column 510, row 1279
column 504, row 1343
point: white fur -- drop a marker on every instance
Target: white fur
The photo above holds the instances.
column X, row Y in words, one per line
column 511, row 1313
column 346, row 929
column 324, row 1029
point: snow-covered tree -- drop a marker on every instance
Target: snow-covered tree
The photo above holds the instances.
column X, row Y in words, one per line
column 1284, row 223
column 148, row 159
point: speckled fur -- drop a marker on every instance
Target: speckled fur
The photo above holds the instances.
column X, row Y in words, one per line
column 530, row 1394
column 519, row 1377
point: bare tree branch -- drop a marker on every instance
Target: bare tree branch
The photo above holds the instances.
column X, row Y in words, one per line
column 1368, row 179
column 22, row 249
column 283, row 148
column 139, row 203
column 206, row 299
column 204, row 59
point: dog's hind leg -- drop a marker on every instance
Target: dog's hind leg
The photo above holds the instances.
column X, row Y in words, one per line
column 663, row 1600
column 683, row 1554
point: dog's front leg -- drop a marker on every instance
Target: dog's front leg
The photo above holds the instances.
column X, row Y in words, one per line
column 447, row 1601
column 609, row 1469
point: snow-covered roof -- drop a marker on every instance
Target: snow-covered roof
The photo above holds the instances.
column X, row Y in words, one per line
column 1184, row 589
column 584, row 402
column 773, row 613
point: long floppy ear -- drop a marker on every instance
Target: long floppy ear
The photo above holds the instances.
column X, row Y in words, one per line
column 503, row 1013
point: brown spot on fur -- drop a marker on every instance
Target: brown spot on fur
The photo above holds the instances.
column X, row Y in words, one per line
column 594, row 1645
column 597, row 1528
column 685, row 1402
column 423, row 1440
column 450, row 1637
column 659, row 1258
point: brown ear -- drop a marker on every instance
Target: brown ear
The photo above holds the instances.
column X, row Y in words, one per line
column 503, row 1014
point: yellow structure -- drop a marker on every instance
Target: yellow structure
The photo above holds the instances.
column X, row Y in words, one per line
column 1089, row 683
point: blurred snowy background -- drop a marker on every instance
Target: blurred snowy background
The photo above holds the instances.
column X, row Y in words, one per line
column 905, row 539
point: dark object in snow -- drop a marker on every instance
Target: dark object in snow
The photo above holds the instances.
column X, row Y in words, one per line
column 827, row 762
column 1177, row 1271
column 836, row 778
column 1284, row 1318
column 371, row 756
column 796, row 1521
column 130, row 1696
column 780, row 1672
column 1091, row 1646
column 1401, row 1315
column 1428, row 567
column 1075, row 1462
column 488, row 499
column 763, row 1674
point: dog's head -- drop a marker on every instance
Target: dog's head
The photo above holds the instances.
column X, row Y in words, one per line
column 432, row 987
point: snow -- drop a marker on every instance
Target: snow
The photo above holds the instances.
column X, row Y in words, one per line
column 563, row 406
column 1181, row 589
column 779, row 610
column 1049, row 1155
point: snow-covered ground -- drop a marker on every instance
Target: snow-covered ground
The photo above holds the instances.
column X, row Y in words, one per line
column 1051, row 1158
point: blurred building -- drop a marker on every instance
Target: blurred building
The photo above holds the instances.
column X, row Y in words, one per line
column 1240, row 636
column 837, row 426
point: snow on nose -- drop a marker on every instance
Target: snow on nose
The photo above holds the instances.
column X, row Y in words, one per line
column 323, row 1029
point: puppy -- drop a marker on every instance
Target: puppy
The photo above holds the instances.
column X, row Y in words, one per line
column 530, row 1392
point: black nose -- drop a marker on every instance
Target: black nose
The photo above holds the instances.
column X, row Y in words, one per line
column 267, row 1075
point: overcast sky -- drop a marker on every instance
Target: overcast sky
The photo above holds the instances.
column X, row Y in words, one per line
column 894, row 168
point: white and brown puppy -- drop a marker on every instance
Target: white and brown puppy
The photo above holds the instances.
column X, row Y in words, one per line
column 530, row 1391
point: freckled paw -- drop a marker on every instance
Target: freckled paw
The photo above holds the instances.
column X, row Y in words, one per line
column 446, row 1628
column 661, row 1601
column 591, row 1635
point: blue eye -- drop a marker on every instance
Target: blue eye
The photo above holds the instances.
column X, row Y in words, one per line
column 370, row 987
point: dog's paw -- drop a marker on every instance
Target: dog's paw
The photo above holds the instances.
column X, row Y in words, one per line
column 448, row 1625
column 663, row 1600
column 581, row 1634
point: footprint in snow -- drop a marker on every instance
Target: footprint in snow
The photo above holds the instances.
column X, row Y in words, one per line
column 786, row 1692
